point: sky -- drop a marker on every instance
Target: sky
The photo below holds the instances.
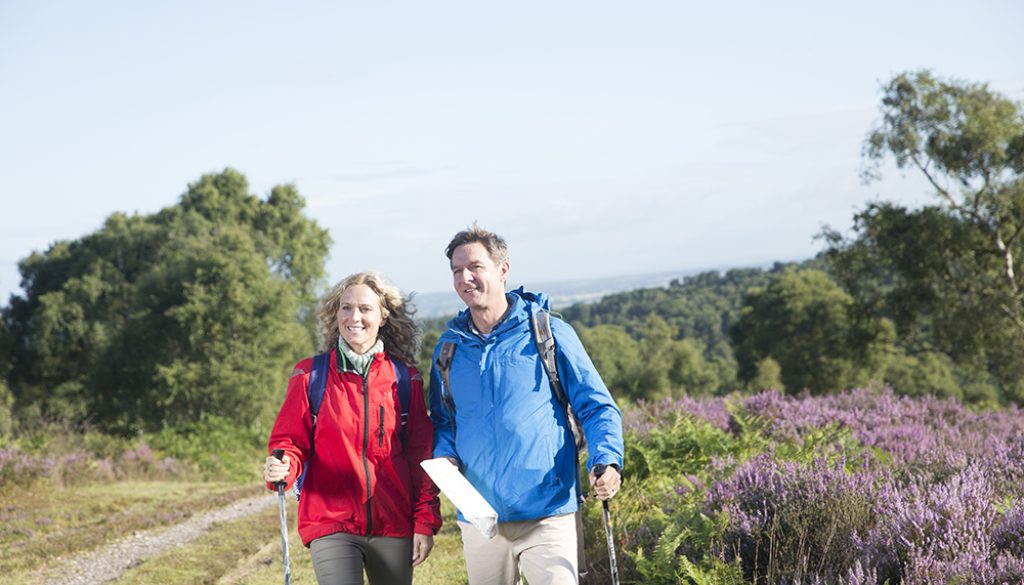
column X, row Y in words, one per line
column 599, row 138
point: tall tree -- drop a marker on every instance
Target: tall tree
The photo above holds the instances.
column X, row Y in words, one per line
column 949, row 274
column 164, row 318
column 968, row 141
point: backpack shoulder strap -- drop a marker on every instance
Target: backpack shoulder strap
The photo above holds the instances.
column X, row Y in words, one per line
column 318, row 382
column 545, row 340
column 540, row 320
column 404, row 392
column 315, row 393
column 444, row 366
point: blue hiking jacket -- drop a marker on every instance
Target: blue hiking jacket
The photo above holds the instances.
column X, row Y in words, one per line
column 511, row 435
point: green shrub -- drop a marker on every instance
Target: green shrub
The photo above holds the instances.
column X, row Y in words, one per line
column 218, row 446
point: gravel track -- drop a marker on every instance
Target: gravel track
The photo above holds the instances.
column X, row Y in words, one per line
column 107, row 563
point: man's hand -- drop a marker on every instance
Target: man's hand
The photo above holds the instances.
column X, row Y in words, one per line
column 608, row 484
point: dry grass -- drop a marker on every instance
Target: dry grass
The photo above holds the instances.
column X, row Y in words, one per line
column 248, row 552
column 41, row 524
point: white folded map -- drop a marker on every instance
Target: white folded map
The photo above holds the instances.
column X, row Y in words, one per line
column 457, row 488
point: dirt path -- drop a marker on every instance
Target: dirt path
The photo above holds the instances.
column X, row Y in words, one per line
column 107, row 563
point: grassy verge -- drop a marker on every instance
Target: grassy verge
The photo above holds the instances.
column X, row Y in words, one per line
column 248, row 552
column 231, row 552
column 39, row 525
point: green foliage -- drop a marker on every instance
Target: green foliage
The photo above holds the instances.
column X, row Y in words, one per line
column 767, row 375
column 218, row 446
column 700, row 308
column 616, row 356
column 926, row 271
column 677, row 446
column 948, row 275
column 655, row 366
column 929, row 373
column 162, row 319
column 660, row 566
column 811, row 328
column 6, row 417
column 720, row 573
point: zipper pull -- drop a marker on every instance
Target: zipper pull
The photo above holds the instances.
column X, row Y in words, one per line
column 380, row 439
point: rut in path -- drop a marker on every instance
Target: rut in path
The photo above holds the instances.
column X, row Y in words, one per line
column 107, row 563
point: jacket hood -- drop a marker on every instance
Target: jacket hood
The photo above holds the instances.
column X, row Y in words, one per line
column 520, row 301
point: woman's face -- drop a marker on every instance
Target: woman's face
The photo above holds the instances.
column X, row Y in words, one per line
column 359, row 317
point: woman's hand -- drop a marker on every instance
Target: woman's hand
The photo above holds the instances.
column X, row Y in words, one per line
column 275, row 470
column 421, row 547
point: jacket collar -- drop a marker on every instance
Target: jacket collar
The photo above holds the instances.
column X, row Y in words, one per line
column 519, row 300
column 343, row 364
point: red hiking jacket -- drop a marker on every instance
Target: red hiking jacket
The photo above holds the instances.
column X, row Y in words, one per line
column 363, row 478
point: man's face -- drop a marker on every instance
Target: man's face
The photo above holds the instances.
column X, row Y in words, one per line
column 479, row 282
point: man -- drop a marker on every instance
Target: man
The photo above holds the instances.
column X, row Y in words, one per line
column 507, row 431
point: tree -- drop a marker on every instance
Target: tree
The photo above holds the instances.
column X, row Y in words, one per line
column 6, row 398
column 616, row 356
column 948, row 275
column 928, row 373
column 969, row 143
column 163, row 319
column 767, row 375
column 654, row 366
column 688, row 372
column 811, row 328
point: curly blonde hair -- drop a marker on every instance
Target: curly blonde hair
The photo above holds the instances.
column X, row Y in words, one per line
column 398, row 331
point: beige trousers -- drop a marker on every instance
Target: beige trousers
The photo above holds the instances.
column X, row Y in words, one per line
column 543, row 550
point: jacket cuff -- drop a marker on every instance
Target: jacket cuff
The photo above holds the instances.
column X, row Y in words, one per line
column 423, row 528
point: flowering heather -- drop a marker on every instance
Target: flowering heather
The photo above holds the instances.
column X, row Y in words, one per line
column 647, row 415
column 941, row 530
column 18, row 467
column 919, row 432
column 787, row 493
column 794, row 523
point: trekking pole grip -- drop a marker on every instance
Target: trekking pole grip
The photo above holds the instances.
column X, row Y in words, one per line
column 599, row 470
column 279, row 455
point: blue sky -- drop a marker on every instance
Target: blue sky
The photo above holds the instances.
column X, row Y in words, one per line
column 601, row 138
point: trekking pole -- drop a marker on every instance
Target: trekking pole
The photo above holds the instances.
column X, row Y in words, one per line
column 279, row 454
column 598, row 471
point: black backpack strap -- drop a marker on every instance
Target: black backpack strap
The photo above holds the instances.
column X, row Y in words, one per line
column 444, row 366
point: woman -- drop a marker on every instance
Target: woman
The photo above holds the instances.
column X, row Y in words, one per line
column 365, row 500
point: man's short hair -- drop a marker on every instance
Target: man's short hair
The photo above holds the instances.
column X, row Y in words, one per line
column 492, row 242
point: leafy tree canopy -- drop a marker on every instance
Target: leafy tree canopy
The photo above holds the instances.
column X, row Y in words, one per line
column 949, row 274
column 810, row 327
column 168, row 317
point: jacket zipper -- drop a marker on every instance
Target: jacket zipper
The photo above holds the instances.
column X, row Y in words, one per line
column 366, row 442
column 380, row 437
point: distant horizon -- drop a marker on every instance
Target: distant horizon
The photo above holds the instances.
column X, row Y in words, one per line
column 439, row 303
